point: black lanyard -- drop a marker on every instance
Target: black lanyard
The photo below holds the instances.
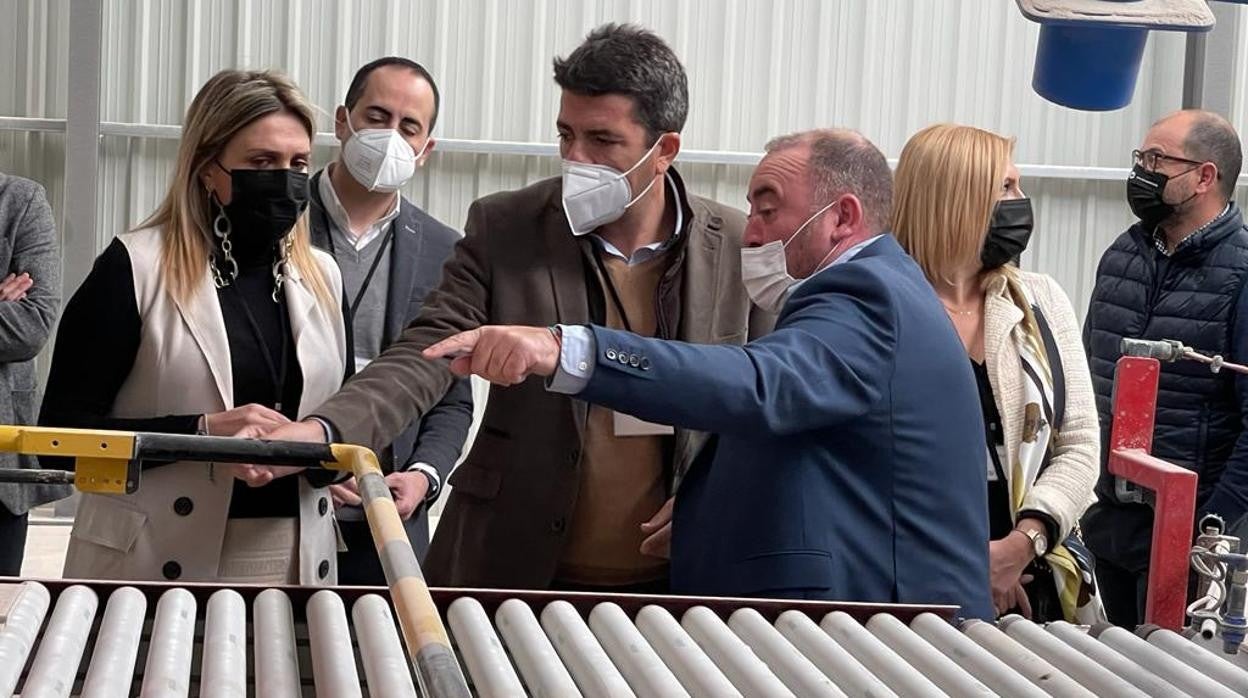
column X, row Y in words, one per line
column 354, row 305
column 277, row 374
column 610, row 286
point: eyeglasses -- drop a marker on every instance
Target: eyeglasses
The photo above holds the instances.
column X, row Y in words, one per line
column 1149, row 159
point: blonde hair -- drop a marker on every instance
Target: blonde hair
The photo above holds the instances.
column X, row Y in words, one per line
column 227, row 103
column 944, row 192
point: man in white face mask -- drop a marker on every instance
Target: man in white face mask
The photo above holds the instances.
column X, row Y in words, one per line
column 848, row 457
column 555, row 493
column 390, row 253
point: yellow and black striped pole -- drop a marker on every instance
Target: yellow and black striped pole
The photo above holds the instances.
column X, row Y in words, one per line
column 437, row 670
column 110, row 462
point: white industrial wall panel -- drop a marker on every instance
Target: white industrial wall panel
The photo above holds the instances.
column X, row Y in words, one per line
column 33, row 53
column 757, row 69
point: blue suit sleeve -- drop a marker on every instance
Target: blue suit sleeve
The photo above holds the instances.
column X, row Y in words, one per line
column 1229, row 498
column 829, row 361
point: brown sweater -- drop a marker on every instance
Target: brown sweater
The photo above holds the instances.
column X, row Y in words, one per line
column 621, row 477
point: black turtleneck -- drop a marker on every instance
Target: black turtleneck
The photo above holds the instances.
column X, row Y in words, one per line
column 255, row 379
column 99, row 336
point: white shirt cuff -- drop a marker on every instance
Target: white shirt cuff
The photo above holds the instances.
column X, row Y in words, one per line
column 435, row 480
column 576, row 360
column 331, row 436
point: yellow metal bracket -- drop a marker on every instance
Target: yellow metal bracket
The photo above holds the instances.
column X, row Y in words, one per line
column 104, row 460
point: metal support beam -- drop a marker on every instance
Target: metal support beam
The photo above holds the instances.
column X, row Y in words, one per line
column 82, row 142
column 1209, row 66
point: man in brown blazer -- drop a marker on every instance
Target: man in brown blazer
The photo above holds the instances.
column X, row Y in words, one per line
column 556, row 493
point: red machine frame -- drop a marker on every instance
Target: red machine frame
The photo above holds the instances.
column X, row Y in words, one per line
column 1130, row 443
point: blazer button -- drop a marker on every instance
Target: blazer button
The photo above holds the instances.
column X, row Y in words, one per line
column 171, row 570
column 183, row 506
column 558, row 525
column 611, row 355
column 645, row 364
column 634, row 360
column 323, row 506
column 573, row 456
column 623, row 358
column 322, row 570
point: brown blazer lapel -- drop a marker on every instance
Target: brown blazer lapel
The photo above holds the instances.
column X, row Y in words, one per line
column 565, row 261
column 704, row 258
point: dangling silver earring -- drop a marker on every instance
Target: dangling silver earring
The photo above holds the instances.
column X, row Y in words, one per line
column 221, row 229
column 279, row 266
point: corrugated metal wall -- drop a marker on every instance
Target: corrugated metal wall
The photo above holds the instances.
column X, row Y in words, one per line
column 756, row 68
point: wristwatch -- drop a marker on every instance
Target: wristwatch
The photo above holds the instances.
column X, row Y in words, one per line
column 1039, row 541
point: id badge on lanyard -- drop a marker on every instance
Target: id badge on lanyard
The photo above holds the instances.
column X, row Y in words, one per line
column 628, row 425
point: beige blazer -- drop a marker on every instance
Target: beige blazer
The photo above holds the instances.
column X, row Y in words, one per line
column 183, row 367
column 1064, row 489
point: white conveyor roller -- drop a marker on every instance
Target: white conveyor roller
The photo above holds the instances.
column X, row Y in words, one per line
column 329, row 636
column 168, row 669
column 55, row 667
column 116, row 645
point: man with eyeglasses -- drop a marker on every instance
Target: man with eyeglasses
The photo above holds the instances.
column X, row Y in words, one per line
column 1179, row 274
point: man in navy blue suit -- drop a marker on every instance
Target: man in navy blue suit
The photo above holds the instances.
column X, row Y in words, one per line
column 849, row 450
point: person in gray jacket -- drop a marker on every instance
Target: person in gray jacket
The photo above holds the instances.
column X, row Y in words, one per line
column 30, row 296
column 391, row 254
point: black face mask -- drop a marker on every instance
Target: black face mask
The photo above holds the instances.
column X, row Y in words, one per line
column 1146, row 196
column 264, row 205
column 1008, row 233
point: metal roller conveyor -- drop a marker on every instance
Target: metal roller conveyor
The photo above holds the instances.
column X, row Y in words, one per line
column 878, row 657
column 637, row 660
column 164, row 641
column 482, row 650
column 797, row 672
column 732, row 655
column 1197, row 657
column 544, row 674
column 194, row 640
column 1113, row 661
column 1082, row 669
column 943, row 672
column 689, row 663
column 591, row 668
column 981, row 663
column 1023, row 660
column 849, row 674
column 1161, row 662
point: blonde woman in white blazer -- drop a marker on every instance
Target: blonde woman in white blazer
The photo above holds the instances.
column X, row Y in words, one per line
column 214, row 317
column 959, row 210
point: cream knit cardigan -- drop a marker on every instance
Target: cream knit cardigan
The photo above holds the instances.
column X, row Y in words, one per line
column 1065, row 489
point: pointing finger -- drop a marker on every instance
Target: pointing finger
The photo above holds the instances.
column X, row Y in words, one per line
column 457, row 345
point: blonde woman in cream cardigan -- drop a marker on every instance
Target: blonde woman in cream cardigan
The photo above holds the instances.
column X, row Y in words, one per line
column 960, row 212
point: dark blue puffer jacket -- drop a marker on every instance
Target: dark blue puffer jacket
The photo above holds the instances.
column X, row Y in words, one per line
column 1194, row 297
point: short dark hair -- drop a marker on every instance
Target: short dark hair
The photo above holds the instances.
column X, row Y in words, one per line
column 1211, row 138
column 360, row 81
column 843, row 161
column 626, row 59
